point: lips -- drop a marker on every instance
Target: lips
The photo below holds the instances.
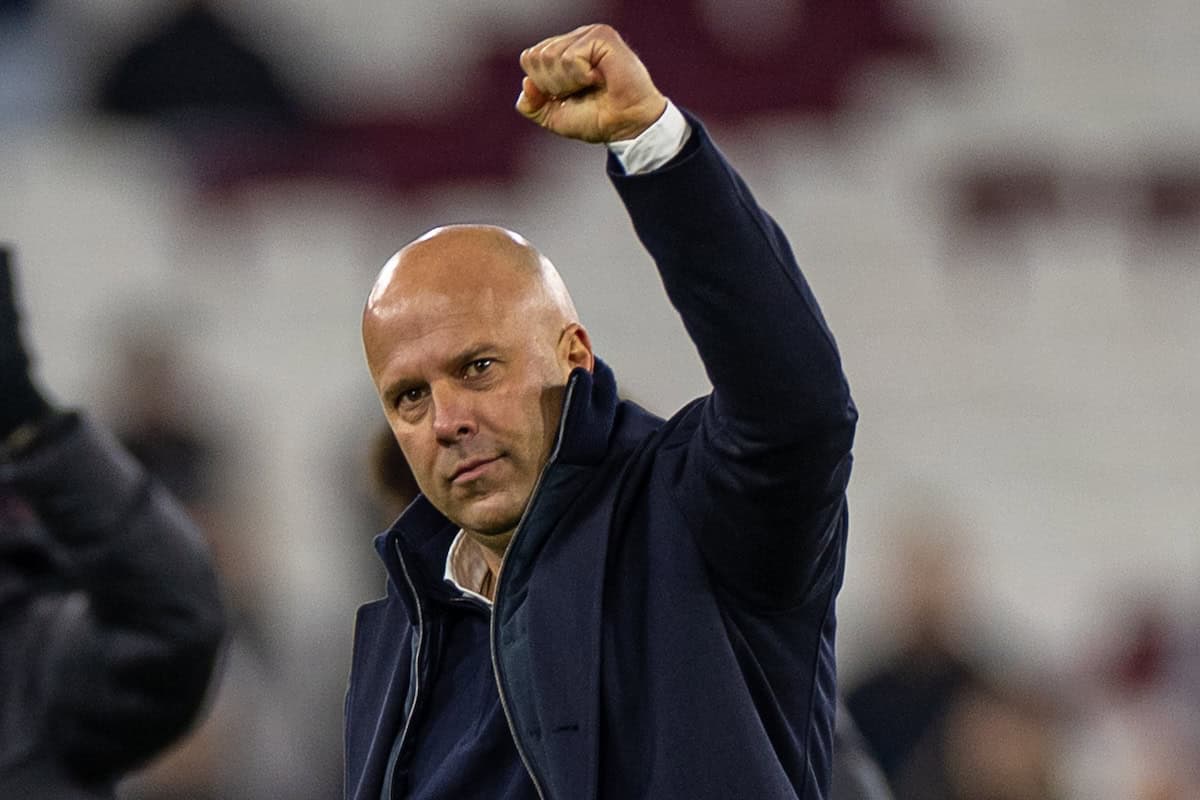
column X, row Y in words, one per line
column 469, row 470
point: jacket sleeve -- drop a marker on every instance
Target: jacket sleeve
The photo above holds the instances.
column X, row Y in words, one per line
column 763, row 470
column 134, row 660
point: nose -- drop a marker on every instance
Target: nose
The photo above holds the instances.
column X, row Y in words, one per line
column 453, row 414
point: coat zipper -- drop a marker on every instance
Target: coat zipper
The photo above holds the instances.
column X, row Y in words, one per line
column 415, row 669
column 562, row 424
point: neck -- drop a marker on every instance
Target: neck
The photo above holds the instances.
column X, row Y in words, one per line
column 492, row 547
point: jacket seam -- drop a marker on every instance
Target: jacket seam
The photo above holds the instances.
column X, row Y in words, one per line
column 812, row 691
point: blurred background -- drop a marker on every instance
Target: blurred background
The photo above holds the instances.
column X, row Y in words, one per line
column 998, row 205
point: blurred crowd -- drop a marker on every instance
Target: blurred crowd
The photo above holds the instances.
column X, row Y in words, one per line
column 952, row 716
column 946, row 712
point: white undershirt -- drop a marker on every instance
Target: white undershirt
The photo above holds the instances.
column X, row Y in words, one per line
column 466, row 566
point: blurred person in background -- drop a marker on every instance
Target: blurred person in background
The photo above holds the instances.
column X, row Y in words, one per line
column 663, row 624
column 110, row 613
column 252, row 745
column 1135, row 732
column 908, row 694
column 943, row 720
column 993, row 742
column 393, row 480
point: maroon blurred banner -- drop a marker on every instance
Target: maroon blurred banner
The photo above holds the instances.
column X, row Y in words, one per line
column 725, row 73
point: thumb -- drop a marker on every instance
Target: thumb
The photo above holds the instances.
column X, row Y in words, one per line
column 531, row 99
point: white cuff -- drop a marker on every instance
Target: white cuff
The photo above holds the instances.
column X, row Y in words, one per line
column 656, row 145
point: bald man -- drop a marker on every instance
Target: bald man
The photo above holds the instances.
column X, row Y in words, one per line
column 588, row 601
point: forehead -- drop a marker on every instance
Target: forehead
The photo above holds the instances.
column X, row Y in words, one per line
column 443, row 294
column 427, row 329
column 421, row 291
column 430, row 318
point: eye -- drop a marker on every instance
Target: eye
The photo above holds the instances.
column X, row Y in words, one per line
column 478, row 367
column 410, row 397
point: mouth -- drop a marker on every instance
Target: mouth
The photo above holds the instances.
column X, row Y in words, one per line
column 470, row 470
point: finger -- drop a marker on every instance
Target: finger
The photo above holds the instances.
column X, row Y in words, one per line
column 559, row 47
column 537, row 60
column 540, row 64
column 531, row 56
column 559, row 66
column 578, row 62
column 585, row 50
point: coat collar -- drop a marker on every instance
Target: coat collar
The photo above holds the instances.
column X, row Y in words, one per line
column 422, row 535
column 589, row 410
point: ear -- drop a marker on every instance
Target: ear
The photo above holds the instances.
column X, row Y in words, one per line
column 575, row 348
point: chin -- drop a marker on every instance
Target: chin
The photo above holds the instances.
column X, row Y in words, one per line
column 485, row 521
column 492, row 526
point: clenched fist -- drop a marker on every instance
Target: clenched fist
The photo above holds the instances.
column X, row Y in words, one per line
column 589, row 85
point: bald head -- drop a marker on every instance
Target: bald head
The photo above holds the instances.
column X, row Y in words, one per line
column 465, row 259
column 471, row 337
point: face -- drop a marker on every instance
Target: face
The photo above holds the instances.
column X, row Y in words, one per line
column 470, row 362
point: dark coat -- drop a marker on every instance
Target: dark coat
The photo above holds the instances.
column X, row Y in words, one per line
column 110, row 616
column 664, row 620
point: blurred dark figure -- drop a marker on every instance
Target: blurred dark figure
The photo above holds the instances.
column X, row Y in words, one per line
column 168, row 428
column 248, row 747
column 175, row 453
column 395, row 486
column 942, row 726
column 903, row 699
column 194, row 68
column 110, row 614
column 993, row 743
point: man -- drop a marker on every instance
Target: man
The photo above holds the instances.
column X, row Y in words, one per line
column 855, row 774
column 110, row 615
column 587, row 601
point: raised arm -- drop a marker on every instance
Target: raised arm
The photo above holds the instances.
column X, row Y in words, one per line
column 767, row 457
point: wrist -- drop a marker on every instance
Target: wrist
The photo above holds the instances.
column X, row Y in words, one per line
column 641, row 122
column 656, row 145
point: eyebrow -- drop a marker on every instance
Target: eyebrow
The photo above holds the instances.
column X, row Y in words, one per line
column 472, row 352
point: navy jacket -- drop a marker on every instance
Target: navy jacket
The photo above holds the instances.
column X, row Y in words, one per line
column 110, row 616
column 664, row 619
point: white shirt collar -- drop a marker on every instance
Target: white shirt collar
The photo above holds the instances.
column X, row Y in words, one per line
column 466, row 566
